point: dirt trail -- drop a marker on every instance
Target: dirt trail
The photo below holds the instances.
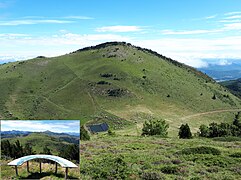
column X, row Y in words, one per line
column 210, row 112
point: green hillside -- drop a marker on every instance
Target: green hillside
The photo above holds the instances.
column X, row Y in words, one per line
column 234, row 86
column 39, row 140
column 114, row 82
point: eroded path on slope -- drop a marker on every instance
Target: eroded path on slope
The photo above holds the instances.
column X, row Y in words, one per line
column 210, row 112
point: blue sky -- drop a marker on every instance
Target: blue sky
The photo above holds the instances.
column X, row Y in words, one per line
column 186, row 30
column 41, row 125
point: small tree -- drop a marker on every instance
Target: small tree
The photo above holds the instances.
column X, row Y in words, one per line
column 84, row 135
column 237, row 120
column 155, row 127
column 28, row 150
column 204, row 131
column 185, row 132
column 46, row 150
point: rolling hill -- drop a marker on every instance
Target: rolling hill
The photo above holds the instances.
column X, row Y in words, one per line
column 114, row 82
column 234, row 86
column 38, row 140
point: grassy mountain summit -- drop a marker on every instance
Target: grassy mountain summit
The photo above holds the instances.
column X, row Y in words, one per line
column 114, row 82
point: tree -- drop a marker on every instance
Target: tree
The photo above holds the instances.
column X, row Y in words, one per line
column 155, row 127
column 84, row 135
column 28, row 150
column 18, row 149
column 46, row 150
column 6, row 148
column 237, row 120
column 204, row 131
column 185, row 132
column 70, row 152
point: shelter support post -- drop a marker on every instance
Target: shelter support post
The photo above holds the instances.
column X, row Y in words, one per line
column 66, row 173
column 16, row 170
column 27, row 166
column 40, row 170
column 56, row 167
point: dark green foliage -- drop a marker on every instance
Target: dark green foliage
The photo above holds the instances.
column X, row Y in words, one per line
column 6, row 148
column 227, row 139
column 237, row 120
column 109, row 167
column 204, row 131
column 84, row 135
column 116, row 92
column 15, row 150
column 106, row 75
column 236, row 155
column 201, row 150
column 111, row 132
column 46, row 150
column 185, row 132
column 103, row 83
column 222, row 129
column 28, row 150
column 214, row 97
column 170, row 170
column 70, row 152
column 155, row 127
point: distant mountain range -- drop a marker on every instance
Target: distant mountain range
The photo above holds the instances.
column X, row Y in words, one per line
column 223, row 71
column 15, row 133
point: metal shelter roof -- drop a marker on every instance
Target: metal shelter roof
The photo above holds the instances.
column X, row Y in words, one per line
column 63, row 162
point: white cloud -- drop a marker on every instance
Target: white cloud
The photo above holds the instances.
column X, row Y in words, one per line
column 189, row 32
column 78, row 17
column 38, row 126
column 233, row 17
column 211, row 17
column 224, row 62
column 233, row 13
column 119, row 29
column 232, row 26
column 33, row 21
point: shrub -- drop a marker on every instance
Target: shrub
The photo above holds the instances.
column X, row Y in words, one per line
column 200, row 150
column 151, row 176
column 204, row 131
column 236, row 155
column 170, row 170
column 185, row 132
column 155, row 127
column 109, row 167
column 111, row 133
column 84, row 135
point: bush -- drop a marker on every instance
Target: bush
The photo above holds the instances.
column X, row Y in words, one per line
column 200, row 150
column 236, row 155
column 109, row 167
column 204, row 131
column 151, row 176
column 155, row 127
column 185, row 132
column 84, row 135
column 170, row 170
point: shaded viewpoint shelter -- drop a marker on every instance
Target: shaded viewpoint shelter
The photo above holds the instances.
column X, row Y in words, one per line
column 58, row 160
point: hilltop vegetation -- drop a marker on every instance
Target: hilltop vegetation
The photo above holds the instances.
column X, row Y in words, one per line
column 113, row 82
column 234, row 86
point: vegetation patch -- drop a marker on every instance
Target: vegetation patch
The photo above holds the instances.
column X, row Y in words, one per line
column 236, row 155
column 200, row 150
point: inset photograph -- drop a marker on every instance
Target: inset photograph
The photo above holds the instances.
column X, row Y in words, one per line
column 40, row 149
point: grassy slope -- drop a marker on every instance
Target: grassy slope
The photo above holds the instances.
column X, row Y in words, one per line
column 234, row 86
column 153, row 154
column 38, row 141
column 65, row 88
